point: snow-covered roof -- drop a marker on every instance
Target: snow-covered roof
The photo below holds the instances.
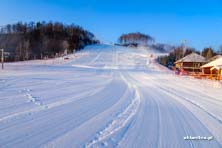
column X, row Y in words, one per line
column 214, row 58
column 217, row 62
column 193, row 57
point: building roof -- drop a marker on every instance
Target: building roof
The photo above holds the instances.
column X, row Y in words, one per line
column 217, row 62
column 214, row 58
column 193, row 57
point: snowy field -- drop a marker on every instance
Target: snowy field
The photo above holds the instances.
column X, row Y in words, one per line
column 107, row 96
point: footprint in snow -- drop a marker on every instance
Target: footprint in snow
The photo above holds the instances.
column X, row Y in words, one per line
column 31, row 98
column 34, row 100
column 25, row 90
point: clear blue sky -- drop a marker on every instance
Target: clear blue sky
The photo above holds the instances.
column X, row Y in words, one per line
column 168, row 21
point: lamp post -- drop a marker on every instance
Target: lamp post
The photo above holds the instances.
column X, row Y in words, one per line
column 2, row 58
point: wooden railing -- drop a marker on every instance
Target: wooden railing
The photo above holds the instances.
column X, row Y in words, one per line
column 206, row 76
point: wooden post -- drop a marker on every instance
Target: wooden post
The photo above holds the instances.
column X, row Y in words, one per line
column 2, row 58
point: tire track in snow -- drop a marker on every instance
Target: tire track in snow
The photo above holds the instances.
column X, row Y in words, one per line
column 204, row 110
column 188, row 101
column 173, row 94
column 193, row 103
column 121, row 120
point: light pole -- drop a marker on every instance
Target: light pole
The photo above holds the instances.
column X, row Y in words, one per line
column 2, row 58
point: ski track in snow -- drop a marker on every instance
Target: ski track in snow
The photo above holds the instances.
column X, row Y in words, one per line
column 106, row 96
column 121, row 120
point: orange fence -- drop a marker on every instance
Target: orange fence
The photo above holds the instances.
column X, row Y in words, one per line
column 206, row 76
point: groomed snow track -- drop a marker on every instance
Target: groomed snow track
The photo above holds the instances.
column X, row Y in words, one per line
column 107, row 96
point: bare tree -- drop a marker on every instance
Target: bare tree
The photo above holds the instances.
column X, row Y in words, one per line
column 29, row 40
column 135, row 38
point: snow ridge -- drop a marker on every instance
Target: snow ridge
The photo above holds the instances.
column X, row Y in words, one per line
column 121, row 120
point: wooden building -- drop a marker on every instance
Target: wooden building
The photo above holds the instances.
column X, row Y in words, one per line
column 191, row 63
column 214, row 68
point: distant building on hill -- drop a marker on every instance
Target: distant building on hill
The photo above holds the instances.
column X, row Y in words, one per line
column 191, row 63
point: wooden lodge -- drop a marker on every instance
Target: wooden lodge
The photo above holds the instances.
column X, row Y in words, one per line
column 191, row 63
column 214, row 69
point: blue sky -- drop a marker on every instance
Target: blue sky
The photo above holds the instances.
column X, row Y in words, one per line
column 168, row 21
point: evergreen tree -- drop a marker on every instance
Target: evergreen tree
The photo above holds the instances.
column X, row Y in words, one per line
column 208, row 53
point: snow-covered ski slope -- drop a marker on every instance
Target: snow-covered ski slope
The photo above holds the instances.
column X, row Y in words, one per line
column 107, row 96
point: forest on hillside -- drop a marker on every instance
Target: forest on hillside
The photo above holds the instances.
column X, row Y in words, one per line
column 136, row 39
column 26, row 41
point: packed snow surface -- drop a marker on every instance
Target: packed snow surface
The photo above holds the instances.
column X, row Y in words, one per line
column 107, row 96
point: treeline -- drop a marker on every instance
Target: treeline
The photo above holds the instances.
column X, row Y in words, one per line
column 180, row 52
column 25, row 41
column 135, row 39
